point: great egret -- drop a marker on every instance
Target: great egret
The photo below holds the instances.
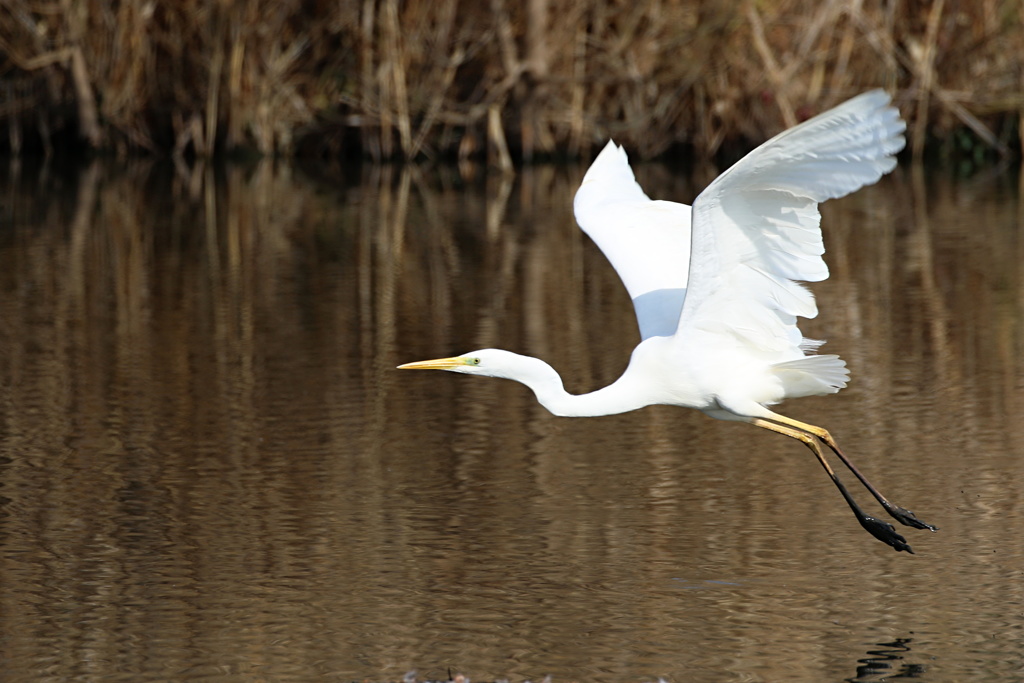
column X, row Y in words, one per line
column 716, row 287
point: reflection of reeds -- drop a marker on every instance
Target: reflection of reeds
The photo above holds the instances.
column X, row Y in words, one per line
column 200, row 414
column 427, row 78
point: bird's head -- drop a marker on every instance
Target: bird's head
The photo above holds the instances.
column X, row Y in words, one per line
column 486, row 362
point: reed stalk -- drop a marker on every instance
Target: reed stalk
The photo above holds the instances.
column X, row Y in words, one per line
column 426, row 78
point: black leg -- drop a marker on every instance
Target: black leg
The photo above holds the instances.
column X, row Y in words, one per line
column 900, row 514
column 883, row 531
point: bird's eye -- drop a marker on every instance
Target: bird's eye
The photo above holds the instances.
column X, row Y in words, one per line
column 474, row 361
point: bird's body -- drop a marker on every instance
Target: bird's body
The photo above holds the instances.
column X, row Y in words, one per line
column 652, row 378
column 716, row 287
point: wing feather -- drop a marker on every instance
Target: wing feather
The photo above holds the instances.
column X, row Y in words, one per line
column 756, row 229
column 647, row 242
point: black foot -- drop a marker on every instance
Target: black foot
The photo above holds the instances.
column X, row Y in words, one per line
column 907, row 518
column 885, row 533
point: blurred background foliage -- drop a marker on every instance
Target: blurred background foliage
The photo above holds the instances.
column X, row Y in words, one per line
column 497, row 78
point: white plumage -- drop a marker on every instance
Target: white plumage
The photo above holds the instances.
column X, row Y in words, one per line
column 717, row 288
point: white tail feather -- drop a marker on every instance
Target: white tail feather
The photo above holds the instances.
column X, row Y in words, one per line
column 812, row 375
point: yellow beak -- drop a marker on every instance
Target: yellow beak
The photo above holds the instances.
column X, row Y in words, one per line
column 437, row 364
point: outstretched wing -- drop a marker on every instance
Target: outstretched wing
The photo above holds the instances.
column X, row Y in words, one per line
column 647, row 242
column 756, row 230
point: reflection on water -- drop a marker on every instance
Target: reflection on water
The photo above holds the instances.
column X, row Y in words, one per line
column 886, row 662
column 210, row 468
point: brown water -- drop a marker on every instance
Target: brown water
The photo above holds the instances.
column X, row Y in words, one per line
column 211, row 470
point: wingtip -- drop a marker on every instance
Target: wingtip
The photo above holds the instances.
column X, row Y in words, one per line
column 608, row 181
column 611, row 156
column 610, row 150
column 876, row 94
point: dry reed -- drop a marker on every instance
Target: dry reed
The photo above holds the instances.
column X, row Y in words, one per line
column 428, row 78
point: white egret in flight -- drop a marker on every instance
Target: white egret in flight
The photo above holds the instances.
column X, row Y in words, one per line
column 716, row 286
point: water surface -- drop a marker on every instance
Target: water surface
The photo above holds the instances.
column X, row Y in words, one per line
column 211, row 470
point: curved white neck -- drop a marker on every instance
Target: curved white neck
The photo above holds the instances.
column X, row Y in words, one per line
column 546, row 384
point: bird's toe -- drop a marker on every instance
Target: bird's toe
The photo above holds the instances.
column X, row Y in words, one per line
column 908, row 518
column 886, row 533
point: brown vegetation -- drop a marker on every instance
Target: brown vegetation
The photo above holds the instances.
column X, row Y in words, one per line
column 444, row 77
